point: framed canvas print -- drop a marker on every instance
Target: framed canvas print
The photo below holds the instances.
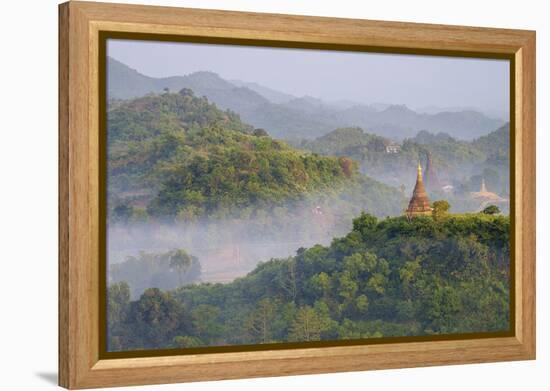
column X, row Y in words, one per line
column 247, row 195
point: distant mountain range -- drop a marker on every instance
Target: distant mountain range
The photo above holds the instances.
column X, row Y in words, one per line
column 287, row 117
column 502, row 114
column 268, row 93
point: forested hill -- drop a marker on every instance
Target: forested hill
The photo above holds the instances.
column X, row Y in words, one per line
column 460, row 163
column 445, row 149
column 390, row 277
column 496, row 143
column 352, row 142
column 146, row 118
column 177, row 156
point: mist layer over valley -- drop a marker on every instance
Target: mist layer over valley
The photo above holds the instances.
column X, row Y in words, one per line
column 185, row 175
column 226, row 248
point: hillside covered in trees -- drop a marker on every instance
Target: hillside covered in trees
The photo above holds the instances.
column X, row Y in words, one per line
column 460, row 164
column 184, row 174
column 389, row 277
column 175, row 156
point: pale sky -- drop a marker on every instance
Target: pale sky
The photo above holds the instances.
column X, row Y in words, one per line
column 413, row 80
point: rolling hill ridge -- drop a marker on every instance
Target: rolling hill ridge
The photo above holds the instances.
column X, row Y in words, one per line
column 294, row 118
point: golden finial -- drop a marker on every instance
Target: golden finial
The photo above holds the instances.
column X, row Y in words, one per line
column 419, row 174
column 483, row 187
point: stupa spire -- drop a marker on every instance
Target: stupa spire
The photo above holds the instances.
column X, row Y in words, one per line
column 419, row 205
column 430, row 176
column 483, row 187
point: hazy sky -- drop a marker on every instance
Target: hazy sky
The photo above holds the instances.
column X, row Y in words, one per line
column 416, row 81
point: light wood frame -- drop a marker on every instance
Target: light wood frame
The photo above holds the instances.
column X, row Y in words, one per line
column 79, row 25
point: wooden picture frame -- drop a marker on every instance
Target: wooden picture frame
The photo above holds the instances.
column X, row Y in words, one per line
column 80, row 164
